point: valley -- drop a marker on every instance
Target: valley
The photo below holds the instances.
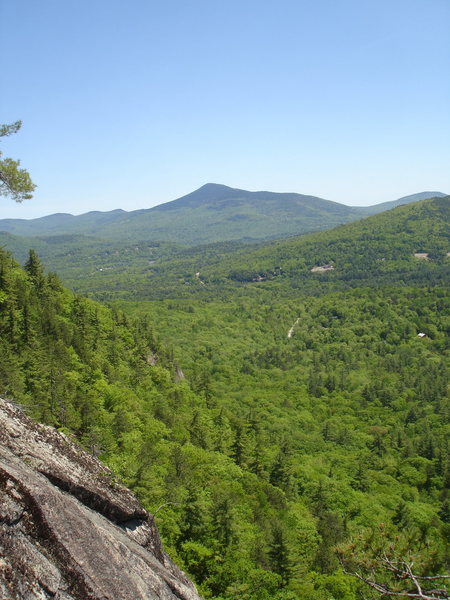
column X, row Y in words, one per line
column 290, row 418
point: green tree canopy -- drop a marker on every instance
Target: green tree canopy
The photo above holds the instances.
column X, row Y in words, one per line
column 14, row 181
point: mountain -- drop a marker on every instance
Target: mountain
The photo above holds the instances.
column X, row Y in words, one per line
column 212, row 213
column 377, row 208
column 221, row 196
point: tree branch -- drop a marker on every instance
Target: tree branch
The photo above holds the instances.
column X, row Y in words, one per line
column 385, row 591
column 402, row 571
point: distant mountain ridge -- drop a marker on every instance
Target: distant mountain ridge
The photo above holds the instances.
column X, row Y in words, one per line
column 63, row 222
column 213, row 213
column 377, row 208
column 217, row 194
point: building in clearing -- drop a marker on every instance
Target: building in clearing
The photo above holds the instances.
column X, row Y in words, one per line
column 322, row 269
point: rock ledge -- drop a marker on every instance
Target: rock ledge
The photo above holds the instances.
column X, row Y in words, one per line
column 67, row 531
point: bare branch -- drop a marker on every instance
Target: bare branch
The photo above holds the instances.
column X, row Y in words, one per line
column 402, row 571
column 162, row 506
column 385, row 591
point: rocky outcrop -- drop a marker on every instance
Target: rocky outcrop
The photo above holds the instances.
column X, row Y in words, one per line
column 67, row 530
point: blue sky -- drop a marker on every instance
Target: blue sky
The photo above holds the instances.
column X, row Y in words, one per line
column 131, row 104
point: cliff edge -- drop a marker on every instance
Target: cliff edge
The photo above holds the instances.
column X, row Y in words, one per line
column 67, row 530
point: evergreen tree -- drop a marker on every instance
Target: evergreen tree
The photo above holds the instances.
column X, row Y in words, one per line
column 14, row 181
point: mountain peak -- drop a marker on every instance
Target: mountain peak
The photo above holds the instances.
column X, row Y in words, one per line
column 210, row 192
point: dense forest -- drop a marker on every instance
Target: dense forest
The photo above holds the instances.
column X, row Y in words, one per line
column 285, row 426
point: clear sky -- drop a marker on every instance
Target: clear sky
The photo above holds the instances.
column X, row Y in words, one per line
column 128, row 104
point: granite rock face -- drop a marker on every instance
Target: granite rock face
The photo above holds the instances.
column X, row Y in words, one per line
column 67, row 530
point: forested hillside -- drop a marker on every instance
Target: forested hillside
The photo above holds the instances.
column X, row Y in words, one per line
column 213, row 213
column 81, row 258
column 138, row 259
column 407, row 245
column 268, row 414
